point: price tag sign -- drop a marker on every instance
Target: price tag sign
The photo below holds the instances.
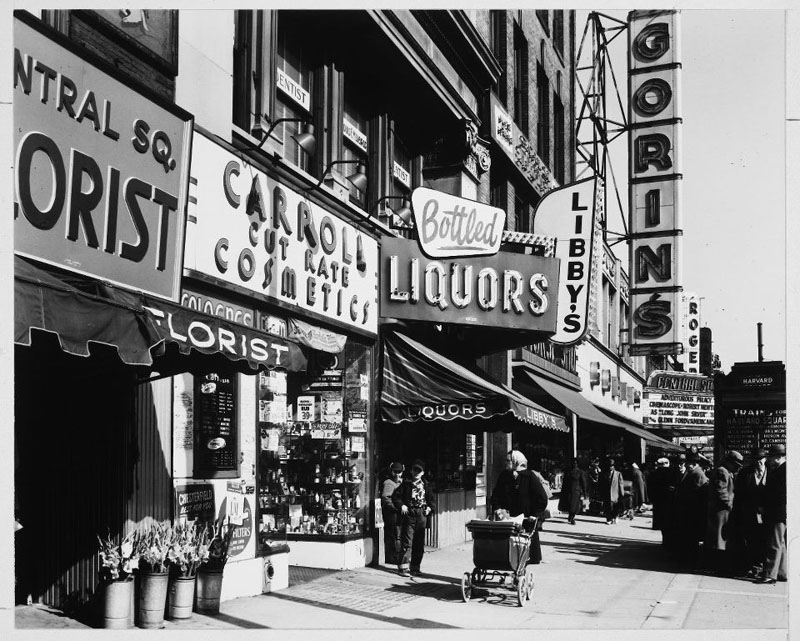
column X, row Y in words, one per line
column 305, row 409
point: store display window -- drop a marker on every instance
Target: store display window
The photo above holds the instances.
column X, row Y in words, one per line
column 313, row 443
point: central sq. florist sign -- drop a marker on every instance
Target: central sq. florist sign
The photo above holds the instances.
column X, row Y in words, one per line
column 251, row 231
column 513, row 291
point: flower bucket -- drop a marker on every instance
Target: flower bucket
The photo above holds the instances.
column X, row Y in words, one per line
column 181, row 597
column 209, row 589
column 152, row 599
column 118, row 605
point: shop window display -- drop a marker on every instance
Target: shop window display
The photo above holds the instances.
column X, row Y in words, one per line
column 313, row 442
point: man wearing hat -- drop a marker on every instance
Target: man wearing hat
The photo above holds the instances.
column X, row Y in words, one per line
column 690, row 511
column 775, row 517
column 747, row 516
column 391, row 522
column 720, row 503
column 413, row 499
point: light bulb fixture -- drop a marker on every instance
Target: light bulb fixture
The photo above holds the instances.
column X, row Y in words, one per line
column 304, row 138
column 357, row 178
column 403, row 212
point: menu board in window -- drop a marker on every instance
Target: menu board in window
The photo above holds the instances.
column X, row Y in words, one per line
column 216, row 438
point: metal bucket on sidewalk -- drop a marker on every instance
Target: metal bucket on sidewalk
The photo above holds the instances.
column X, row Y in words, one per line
column 117, row 605
column 209, row 589
column 152, row 599
column 181, row 597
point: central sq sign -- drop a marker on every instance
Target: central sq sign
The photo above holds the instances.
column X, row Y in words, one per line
column 513, row 291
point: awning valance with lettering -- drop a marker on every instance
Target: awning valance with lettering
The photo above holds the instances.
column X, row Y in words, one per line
column 143, row 330
column 420, row 385
column 585, row 409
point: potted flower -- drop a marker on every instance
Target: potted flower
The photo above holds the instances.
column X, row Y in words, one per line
column 209, row 576
column 188, row 550
column 118, row 562
column 153, row 544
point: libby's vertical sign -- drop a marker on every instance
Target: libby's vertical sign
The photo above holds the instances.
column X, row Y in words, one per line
column 655, row 118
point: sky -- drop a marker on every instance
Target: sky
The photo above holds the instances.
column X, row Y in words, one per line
column 733, row 153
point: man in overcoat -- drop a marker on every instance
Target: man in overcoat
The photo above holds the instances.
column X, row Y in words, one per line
column 690, row 511
column 720, row 503
column 611, row 491
column 747, row 516
column 775, row 565
column 573, row 489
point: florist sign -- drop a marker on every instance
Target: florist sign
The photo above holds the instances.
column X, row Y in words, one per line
column 100, row 170
column 255, row 233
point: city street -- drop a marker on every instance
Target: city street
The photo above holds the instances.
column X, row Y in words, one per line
column 594, row 576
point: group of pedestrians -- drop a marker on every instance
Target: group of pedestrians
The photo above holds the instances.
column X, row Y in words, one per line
column 728, row 519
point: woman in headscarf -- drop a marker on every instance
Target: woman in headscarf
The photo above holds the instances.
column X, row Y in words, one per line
column 518, row 491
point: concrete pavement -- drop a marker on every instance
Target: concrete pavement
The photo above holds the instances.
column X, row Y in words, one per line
column 594, row 577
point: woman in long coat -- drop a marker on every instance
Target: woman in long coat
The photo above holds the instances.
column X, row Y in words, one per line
column 574, row 487
column 519, row 491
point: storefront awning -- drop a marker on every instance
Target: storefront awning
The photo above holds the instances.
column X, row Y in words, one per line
column 419, row 385
column 588, row 411
column 144, row 331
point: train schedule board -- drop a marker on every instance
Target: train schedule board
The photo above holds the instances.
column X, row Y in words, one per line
column 750, row 407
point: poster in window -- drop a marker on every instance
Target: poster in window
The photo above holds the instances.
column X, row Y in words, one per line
column 331, row 407
column 216, row 439
column 306, row 409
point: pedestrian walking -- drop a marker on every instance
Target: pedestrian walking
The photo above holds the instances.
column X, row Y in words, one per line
column 611, row 491
column 391, row 520
column 775, row 517
column 413, row 500
column 690, row 511
column 661, row 490
column 519, row 491
column 574, row 488
column 639, row 494
column 747, row 516
column 720, row 502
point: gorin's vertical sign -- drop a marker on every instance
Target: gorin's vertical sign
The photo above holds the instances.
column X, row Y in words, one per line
column 655, row 180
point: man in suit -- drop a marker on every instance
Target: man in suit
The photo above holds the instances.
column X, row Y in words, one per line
column 720, row 504
column 775, row 517
column 747, row 517
column 690, row 511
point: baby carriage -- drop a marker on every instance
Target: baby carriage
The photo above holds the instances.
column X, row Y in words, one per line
column 626, row 509
column 500, row 552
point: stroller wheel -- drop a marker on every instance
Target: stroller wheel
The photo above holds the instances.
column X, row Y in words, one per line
column 466, row 586
column 522, row 591
column 529, row 581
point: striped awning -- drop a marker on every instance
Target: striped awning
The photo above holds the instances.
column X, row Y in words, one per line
column 420, row 385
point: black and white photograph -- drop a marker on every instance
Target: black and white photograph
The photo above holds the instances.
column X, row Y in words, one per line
column 406, row 319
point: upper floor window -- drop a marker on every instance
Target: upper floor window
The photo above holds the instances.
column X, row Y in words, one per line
column 543, row 123
column 497, row 36
column 355, row 137
column 558, row 31
column 559, row 144
column 520, row 79
column 544, row 18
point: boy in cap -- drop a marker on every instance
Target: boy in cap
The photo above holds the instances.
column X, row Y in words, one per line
column 413, row 499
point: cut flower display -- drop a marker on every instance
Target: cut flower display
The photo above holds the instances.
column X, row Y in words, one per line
column 189, row 548
column 118, row 561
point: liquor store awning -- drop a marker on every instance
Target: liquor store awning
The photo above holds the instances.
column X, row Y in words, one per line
column 419, row 385
column 144, row 331
column 588, row 411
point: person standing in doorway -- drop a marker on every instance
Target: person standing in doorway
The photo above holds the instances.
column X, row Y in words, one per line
column 413, row 500
column 775, row 517
column 573, row 490
column 611, row 491
column 391, row 521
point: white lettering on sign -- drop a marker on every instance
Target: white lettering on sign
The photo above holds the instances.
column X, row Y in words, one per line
column 293, row 90
column 690, row 327
column 401, row 175
column 570, row 214
column 450, row 226
column 354, row 134
column 655, row 178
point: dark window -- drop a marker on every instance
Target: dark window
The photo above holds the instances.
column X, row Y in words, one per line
column 520, row 80
column 559, row 143
column 544, row 18
column 543, row 124
column 293, row 83
column 520, row 214
column 242, row 69
column 498, row 44
column 355, row 135
column 558, row 31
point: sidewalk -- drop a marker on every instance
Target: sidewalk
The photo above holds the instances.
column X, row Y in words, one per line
column 594, row 577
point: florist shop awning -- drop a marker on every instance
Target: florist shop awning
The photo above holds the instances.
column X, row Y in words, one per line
column 420, row 385
column 144, row 331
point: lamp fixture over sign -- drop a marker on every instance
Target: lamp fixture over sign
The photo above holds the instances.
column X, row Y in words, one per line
column 594, row 374
column 304, row 139
column 402, row 213
column 605, row 380
column 358, row 178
